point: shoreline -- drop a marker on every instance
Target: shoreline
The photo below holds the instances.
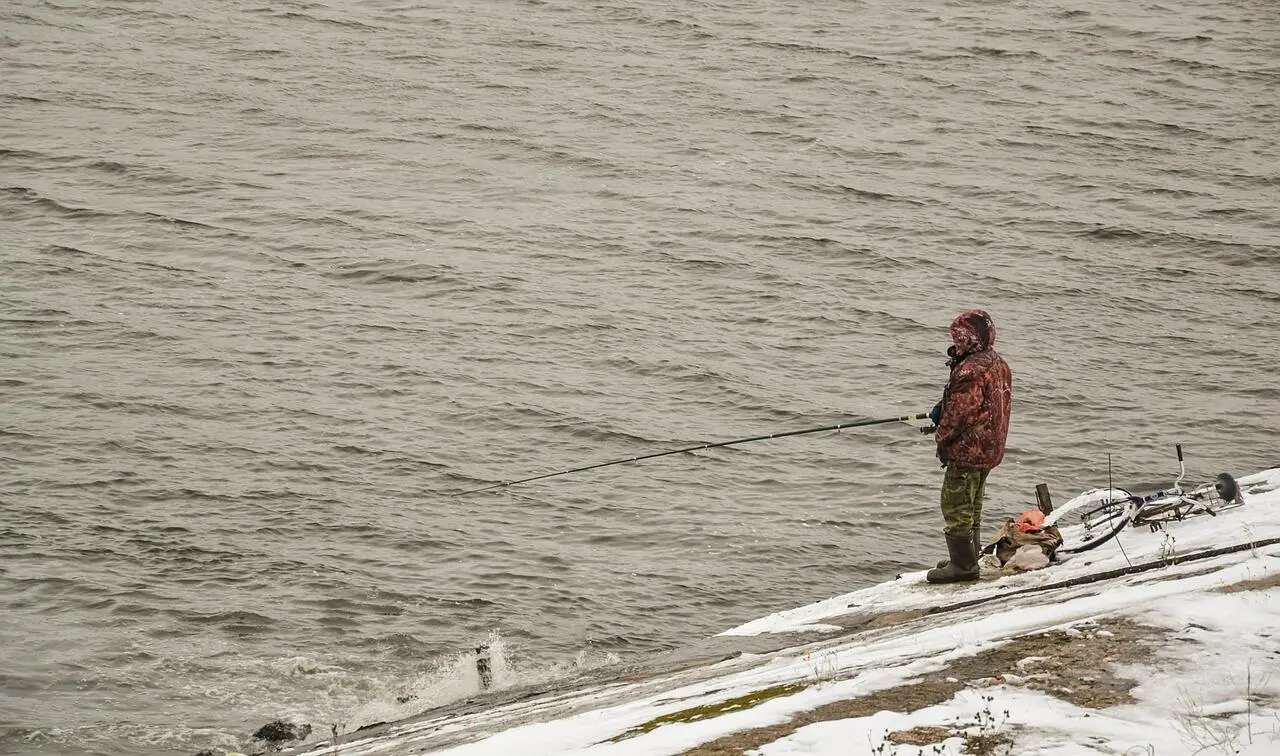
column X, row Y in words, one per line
column 1013, row 663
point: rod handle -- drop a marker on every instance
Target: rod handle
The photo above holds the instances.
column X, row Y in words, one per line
column 1043, row 501
column 1179, row 448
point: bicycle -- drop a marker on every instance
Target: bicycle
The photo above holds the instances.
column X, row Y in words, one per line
column 1098, row 515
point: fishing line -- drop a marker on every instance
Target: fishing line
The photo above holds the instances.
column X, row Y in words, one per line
column 700, row 447
column 1111, row 487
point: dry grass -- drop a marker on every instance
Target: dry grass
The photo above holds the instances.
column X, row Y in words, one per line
column 919, row 736
column 987, row 745
column 1075, row 666
column 714, row 710
column 1261, row 584
column 904, row 698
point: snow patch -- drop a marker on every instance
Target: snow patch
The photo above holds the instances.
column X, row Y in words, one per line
column 1207, row 685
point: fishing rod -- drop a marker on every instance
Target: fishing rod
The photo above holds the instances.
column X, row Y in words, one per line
column 700, row 447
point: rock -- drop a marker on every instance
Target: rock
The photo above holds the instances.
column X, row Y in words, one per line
column 279, row 731
column 484, row 666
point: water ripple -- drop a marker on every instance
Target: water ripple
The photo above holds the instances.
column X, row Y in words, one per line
column 280, row 280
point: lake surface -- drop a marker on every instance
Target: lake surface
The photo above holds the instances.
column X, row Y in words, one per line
column 279, row 279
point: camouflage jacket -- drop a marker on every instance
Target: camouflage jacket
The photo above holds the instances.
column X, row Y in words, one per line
column 975, row 406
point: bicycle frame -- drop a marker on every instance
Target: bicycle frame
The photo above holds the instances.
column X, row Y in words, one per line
column 1107, row 512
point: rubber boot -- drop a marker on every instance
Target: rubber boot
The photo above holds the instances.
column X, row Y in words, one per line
column 963, row 565
column 977, row 544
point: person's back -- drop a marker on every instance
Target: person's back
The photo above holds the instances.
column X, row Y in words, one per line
column 973, row 425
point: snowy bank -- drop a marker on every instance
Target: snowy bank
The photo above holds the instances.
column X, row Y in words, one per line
column 1182, row 658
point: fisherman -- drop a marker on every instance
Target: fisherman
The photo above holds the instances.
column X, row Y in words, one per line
column 972, row 423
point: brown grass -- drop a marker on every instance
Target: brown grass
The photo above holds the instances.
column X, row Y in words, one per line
column 1261, row 584
column 987, row 745
column 919, row 736
column 904, row 698
column 1078, row 667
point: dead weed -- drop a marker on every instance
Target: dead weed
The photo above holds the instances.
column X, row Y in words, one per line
column 1075, row 665
column 1259, row 584
column 919, row 736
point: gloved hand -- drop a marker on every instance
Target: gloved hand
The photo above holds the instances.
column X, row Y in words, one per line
column 935, row 414
column 943, row 454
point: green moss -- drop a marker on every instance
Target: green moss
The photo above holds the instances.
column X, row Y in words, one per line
column 714, row 710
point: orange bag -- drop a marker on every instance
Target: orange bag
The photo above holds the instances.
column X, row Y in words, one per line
column 1030, row 521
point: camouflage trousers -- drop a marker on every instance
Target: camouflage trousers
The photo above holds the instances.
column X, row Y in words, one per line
column 962, row 500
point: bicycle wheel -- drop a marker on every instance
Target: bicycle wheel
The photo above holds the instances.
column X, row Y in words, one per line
column 1093, row 518
column 1089, row 500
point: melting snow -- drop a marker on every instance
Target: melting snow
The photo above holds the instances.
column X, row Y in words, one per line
column 1211, row 684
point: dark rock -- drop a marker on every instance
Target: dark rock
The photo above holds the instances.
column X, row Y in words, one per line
column 484, row 666
column 279, row 731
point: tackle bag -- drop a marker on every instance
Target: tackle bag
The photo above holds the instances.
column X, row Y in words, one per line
column 1024, row 543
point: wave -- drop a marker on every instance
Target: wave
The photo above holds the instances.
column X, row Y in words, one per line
column 34, row 198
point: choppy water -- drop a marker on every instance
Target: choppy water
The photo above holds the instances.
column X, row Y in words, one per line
column 278, row 278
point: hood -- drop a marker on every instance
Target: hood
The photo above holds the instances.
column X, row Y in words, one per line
column 973, row 332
